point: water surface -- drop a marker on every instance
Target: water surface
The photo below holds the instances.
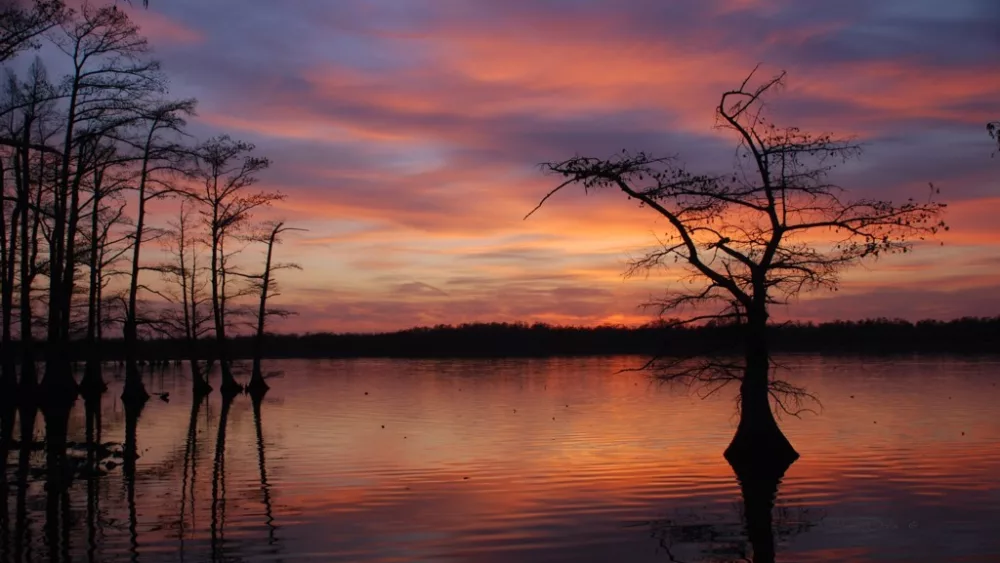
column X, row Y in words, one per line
column 515, row 460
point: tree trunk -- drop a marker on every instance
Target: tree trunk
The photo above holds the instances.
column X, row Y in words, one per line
column 134, row 389
column 28, row 385
column 758, row 436
column 58, row 381
column 199, row 382
column 29, row 375
column 93, row 380
column 69, row 270
column 229, row 384
column 8, row 261
column 257, row 385
column 58, row 385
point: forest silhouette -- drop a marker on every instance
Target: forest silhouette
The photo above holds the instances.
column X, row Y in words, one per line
column 972, row 335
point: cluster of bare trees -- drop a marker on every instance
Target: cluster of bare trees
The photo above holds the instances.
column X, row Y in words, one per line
column 82, row 160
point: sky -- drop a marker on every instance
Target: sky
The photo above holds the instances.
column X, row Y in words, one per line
column 407, row 134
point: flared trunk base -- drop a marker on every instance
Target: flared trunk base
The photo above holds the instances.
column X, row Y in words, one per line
column 134, row 392
column 759, row 447
column 8, row 388
column 58, row 388
column 200, row 388
column 257, row 386
column 93, row 384
column 230, row 388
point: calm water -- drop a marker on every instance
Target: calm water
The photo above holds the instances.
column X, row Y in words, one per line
column 519, row 460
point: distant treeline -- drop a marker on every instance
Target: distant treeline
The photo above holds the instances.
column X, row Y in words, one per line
column 876, row 336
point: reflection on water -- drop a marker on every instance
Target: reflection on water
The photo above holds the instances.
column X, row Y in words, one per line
column 520, row 460
column 748, row 535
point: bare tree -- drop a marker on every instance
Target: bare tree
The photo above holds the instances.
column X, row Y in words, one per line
column 748, row 238
column 109, row 77
column 27, row 118
column 107, row 210
column 185, row 276
column 159, row 155
column 20, row 26
column 8, row 268
column 227, row 171
column 267, row 286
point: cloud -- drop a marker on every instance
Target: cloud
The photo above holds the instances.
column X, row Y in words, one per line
column 164, row 31
column 419, row 289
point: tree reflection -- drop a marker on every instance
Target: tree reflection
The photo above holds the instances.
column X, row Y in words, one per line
column 759, row 456
column 265, row 487
column 58, row 477
column 752, row 538
column 92, row 408
column 219, row 483
column 190, row 471
column 133, row 410
column 27, row 410
column 8, row 412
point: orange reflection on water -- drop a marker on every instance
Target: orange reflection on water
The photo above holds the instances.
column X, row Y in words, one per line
column 545, row 460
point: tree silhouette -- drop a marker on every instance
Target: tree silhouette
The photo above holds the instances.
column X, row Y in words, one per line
column 773, row 227
column 159, row 155
column 267, row 285
column 20, row 26
column 27, row 126
column 110, row 75
column 226, row 171
column 107, row 210
column 993, row 128
column 182, row 275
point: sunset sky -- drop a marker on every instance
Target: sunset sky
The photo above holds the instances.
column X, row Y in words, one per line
column 407, row 136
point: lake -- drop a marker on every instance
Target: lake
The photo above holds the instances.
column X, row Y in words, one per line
column 515, row 460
